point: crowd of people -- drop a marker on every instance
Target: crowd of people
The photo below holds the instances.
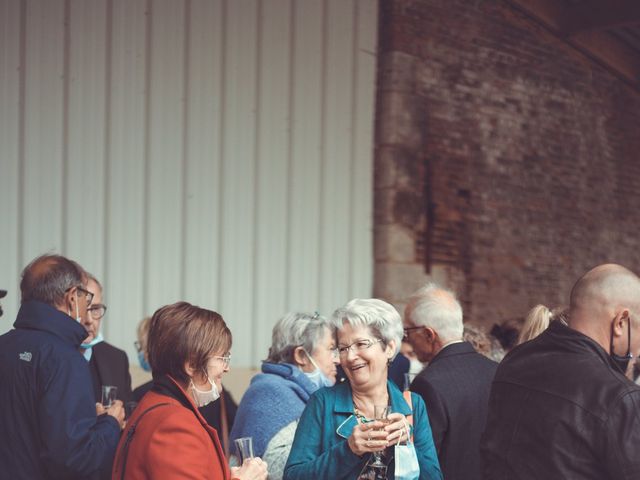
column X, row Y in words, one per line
column 361, row 394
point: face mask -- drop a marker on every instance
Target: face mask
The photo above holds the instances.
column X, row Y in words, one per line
column 317, row 377
column 622, row 361
column 204, row 397
column 143, row 362
column 98, row 338
column 415, row 366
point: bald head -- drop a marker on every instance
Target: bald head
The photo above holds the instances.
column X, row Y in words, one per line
column 605, row 289
column 48, row 277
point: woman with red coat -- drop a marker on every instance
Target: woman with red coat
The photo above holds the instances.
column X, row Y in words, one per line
column 166, row 437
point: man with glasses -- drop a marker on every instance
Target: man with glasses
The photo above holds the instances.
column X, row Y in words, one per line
column 108, row 365
column 47, row 411
column 561, row 406
column 455, row 385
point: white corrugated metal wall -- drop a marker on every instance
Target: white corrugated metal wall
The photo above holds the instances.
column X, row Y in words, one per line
column 216, row 151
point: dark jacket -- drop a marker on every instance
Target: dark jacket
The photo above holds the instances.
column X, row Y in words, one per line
column 110, row 366
column 455, row 388
column 561, row 409
column 47, row 409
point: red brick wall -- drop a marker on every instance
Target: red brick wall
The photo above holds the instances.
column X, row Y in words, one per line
column 529, row 156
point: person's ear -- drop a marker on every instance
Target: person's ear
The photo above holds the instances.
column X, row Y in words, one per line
column 620, row 322
column 300, row 357
column 430, row 334
column 391, row 349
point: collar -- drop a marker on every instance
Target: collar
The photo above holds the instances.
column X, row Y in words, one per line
column 40, row 316
column 344, row 405
column 453, row 348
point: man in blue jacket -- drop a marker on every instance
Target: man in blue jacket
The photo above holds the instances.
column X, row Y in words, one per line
column 48, row 415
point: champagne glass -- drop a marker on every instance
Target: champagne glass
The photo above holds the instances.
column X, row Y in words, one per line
column 245, row 448
column 380, row 413
column 408, row 378
column 109, row 395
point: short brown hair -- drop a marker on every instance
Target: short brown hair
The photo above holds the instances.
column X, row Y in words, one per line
column 181, row 333
column 48, row 277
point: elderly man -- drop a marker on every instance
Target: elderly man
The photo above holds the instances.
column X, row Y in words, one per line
column 108, row 365
column 561, row 406
column 455, row 385
column 47, row 411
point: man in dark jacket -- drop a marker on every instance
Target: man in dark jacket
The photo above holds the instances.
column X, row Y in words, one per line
column 47, row 411
column 455, row 385
column 108, row 365
column 561, row 406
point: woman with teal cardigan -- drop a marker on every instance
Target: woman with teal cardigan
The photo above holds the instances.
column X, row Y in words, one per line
column 337, row 435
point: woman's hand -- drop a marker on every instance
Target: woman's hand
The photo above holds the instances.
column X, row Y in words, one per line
column 396, row 428
column 252, row 469
column 368, row 437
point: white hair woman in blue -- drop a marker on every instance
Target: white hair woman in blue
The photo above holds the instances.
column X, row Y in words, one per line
column 302, row 359
column 338, row 436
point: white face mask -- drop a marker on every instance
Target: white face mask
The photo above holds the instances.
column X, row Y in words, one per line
column 317, row 377
column 204, row 397
column 415, row 366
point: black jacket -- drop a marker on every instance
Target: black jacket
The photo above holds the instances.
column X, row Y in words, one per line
column 561, row 409
column 110, row 366
column 455, row 388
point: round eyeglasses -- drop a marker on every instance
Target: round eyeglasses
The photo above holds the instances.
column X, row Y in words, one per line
column 97, row 311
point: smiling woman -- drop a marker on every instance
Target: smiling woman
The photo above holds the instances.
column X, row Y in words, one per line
column 339, row 431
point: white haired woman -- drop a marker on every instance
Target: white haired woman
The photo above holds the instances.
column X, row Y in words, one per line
column 337, row 434
column 302, row 359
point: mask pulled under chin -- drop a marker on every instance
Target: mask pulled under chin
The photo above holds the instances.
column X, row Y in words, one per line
column 204, row 397
column 96, row 340
column 317, row 377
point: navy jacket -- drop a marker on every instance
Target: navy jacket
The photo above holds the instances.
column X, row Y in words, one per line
column 47, row 409
column 455, row 388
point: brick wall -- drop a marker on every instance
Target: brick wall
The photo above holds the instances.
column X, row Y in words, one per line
column 507, row 163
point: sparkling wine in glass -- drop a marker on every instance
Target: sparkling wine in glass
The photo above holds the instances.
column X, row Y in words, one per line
column 245, row 448
column 380, row 414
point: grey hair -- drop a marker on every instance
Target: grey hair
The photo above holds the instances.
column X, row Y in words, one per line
column 437, row 308
column 379, row 316
column 294, row 330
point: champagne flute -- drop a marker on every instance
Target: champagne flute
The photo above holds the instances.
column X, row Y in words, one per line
column 245, row 448
column 380, row 413
column 109, row 395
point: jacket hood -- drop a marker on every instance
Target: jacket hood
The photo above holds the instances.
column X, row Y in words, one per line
column 34, row 315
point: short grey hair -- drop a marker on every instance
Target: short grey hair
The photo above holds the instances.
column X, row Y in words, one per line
column 294, row 330
column 437, row 308
column 48, row 277
column 379, row 316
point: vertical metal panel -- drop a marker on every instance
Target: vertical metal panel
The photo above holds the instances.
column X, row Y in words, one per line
column 126, row 170
column 270, row 282
column 213, row 151
column 165, row 166
column 337, row 152
column 363, row 111
column 44, row 169
column 10, row 150
column 305, row 164
column 85, row 134
column 203, row 183
column 237, row 255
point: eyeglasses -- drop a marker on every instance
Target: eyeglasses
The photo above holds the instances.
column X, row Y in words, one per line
column 87, row 293
column 226, row 360
column 97, row 311
column 357, row 346
column 408, row 330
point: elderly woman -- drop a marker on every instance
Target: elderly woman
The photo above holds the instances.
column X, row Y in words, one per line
column 302, row 359
column 167, row 437
column 338, row 434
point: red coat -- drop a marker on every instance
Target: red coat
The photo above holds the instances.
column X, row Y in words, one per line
column 170, row 441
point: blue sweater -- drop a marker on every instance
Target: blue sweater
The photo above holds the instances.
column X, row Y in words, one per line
column 320, row 449
column 275, row 398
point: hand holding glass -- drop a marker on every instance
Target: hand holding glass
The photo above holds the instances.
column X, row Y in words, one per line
column 245, row 448
column 109, row 395
column 380, row 413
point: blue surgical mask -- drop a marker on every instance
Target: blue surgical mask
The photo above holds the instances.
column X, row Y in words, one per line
column 143, row 362
column 96, row 340
column 317, row 377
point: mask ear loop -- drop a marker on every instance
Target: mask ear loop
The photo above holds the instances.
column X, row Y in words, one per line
column 406, row 427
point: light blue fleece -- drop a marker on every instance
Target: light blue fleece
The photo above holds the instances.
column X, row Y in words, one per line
column 275, row 398
column 320, row 449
